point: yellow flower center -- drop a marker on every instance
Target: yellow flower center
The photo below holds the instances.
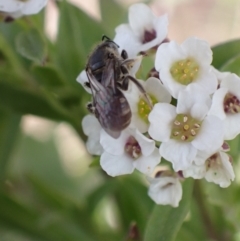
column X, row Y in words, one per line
column 185, row 71
column 185, row 128
column 144, row 108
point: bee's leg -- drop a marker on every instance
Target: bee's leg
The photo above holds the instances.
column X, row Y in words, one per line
column 91, row 107
column 140, row 87
column 87, row 84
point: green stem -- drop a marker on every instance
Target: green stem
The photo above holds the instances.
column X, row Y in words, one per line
column 201, row 201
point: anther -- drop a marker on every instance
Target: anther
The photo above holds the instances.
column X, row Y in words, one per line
column 193, row 132
column 177, row 123
column 183, row 138
column 185, row 118
column 196, row 125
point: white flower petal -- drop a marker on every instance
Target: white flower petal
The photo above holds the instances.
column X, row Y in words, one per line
column 231, row 126
column 166, row 191
column 203, row 53
column 154, row 87
column 180, row 154
column 192, row 95
column 140, row 18
column 221, row 174
column 33, row 6
column 114, row 146
column 82, row 79
column 93, row 144
column 126, row 40
column 116, row 165
column 210, row 136
column 90, row 125
column 166, row 53
column 217, row 103
column 195, row 171
column 10, row 6
column 139, row 123
column 232, row 83
column 160, row 25
column 147, row 145
column 207, row 79
column 161, row 118
column 146, row 164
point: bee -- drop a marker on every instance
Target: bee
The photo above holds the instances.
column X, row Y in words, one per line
column 108, row 74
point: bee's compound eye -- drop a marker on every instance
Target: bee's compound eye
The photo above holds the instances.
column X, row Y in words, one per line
column 124, row 54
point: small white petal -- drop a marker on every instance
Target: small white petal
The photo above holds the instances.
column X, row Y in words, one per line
column 217, row 103
column 180, row 154
column 160, row 25
column 195, row 171
column 210, row 136
column 222, row 173
column 161, row 119
column 147, row 145
column 166, row 191
column 90, row 125
column 192, row 95
column 10, row 6
column 140, row 18
column 203, row 53
column 126, row 40
column 114, row 146
column 166, row 53
column 33, row 6
column 154, row 87
column 231, row 126
column 82, row 79
column 93, row 145
column 116, row 165
column 146, row 164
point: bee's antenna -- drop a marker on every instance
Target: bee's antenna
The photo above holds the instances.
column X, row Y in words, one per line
column 106, row 37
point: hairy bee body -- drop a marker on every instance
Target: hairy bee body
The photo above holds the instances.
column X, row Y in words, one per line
column 108, row 75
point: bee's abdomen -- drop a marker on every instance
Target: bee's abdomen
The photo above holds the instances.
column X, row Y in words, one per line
column 114, row 112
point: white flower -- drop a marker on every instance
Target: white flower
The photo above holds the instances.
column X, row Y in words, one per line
column 226, row 105
column 131, row 150
column 220, row 75
column 165, row 190
column 138, row 104
column 144, row 31
column 17, row 8
column 185, row 129
column 92, row 128
column 182, row 65
column 217, row 168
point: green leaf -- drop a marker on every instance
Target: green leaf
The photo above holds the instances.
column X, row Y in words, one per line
column 223, row 52
column 77, row 34
column 114, row 17
column 9, row 127
column 25, row 101
column 48, row 226
column 31, row 45
column 48, row 76
column 233, row 65
column 165, row 221
column 132, row 208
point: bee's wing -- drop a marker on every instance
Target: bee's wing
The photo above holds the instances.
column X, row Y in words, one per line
column 109, row 75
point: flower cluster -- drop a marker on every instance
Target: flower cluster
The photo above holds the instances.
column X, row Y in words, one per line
column 195, row 108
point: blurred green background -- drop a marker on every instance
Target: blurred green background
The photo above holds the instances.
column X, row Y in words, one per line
column 48, row 191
